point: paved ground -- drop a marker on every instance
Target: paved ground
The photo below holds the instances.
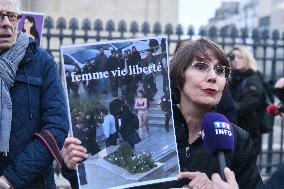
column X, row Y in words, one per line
column 157, row 140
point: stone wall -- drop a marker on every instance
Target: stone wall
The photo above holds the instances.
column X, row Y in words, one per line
column 151, row 11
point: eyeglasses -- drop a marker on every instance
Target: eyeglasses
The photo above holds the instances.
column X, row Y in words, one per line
column 203, row 67
column 12, row 16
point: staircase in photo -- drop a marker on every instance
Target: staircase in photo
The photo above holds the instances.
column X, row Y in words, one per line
column 160, row 144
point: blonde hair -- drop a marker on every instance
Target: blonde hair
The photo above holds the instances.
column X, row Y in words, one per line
column 249, row 59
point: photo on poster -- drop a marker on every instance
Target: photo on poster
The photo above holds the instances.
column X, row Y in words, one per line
column 31, row 23
column 119, row 102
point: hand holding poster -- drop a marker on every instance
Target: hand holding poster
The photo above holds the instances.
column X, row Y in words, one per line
column 119, row 102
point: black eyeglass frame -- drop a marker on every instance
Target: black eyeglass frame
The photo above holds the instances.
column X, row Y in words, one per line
column 227, row 70
column 12, row 16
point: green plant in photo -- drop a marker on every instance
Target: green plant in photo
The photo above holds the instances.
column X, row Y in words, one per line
column 133, row 162
column 85, row 106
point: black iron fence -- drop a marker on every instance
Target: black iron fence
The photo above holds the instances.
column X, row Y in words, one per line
column 267, row 47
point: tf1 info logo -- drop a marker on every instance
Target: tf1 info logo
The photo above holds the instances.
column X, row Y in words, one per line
column 222, row 128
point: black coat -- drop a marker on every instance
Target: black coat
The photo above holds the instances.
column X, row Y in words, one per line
column 227, row 107
column 129, row 124
column 71, row 176
column 195, row 157
column 248, row 93
column 100, row 63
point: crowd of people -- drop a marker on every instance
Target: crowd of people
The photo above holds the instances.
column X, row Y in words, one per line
column 134, row 90
column 127, row 84
column 32, row 100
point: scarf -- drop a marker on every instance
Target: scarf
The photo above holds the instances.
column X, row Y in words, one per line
column 9, row 62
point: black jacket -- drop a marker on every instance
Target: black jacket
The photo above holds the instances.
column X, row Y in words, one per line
column 194, row 157
column 71, row 176
column 227, row 107
column 248, row 93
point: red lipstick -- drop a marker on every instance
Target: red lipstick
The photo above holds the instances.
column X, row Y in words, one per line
column 210, row 91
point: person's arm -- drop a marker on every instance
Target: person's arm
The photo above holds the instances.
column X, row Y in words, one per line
column 144, row 107
column 135, row 106
column 198, row 180
column 216, row 181
column 244, row 163
column 279, row 83
column 279, row 91
column 73, row 153
column 36, row 158
column 106, row 126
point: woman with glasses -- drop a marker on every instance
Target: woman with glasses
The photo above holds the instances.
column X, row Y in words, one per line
column 247, row 90
column 199, row 73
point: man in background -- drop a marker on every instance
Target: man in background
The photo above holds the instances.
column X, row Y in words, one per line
column 109, row 128
column 100, row 66
column 31, row 100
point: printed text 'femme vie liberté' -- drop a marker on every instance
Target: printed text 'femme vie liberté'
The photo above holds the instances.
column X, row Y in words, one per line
column 132, row 70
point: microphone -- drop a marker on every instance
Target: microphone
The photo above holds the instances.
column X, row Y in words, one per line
column 274, row 110
column 218, row 137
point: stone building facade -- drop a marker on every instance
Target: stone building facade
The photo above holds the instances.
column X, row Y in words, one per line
column 140, row 11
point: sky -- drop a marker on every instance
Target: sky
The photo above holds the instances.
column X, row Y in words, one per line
column 197, row 12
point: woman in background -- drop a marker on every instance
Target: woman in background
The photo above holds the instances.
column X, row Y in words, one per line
column 248, row 93
column 141, row 106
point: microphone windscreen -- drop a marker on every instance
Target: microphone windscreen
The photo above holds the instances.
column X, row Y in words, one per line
column 217, row 133
column 272, row 109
